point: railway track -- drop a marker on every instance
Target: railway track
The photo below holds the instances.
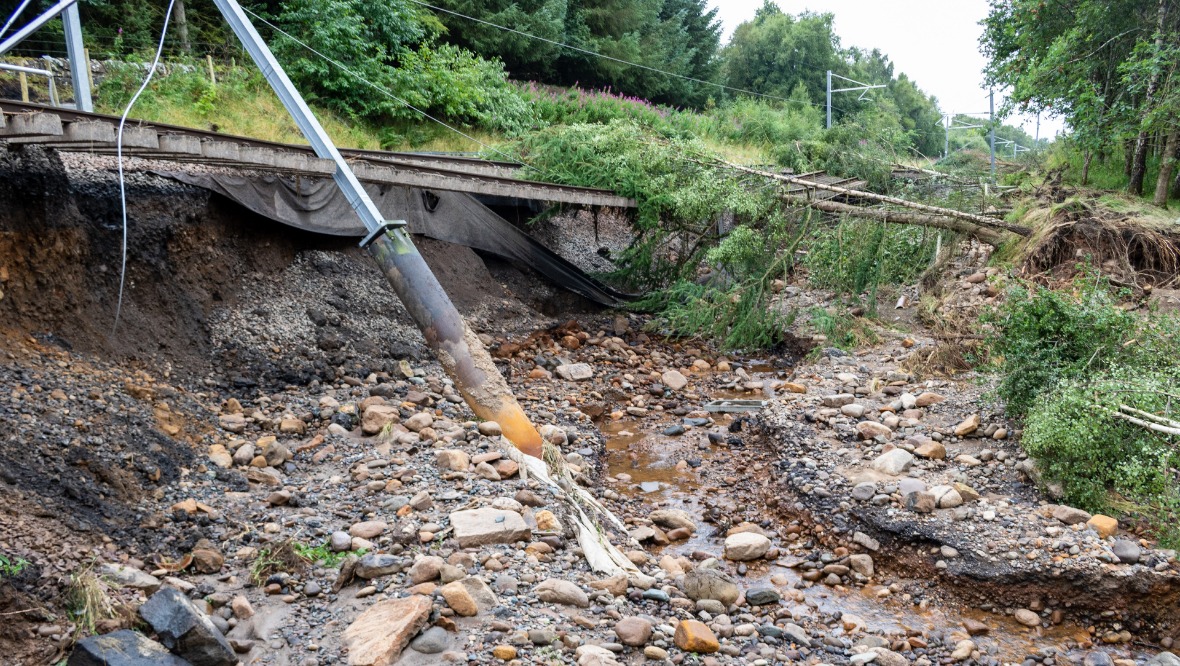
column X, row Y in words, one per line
column 78, row 131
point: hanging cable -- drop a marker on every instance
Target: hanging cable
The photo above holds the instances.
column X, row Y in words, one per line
column 379, row 88
column 604, row 56
column 119, row 154
column 15, row 15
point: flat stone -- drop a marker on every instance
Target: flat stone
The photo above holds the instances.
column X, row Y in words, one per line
column 928, row 398
column 185, row 630
column 381, row 633
column 431, row 641
column 1069, row 515
column 946, row 497
column 673, row 518
column 375, row 565
column 575, row 372
column 839, row 400
column 746, row 546
column 932, row 450
column 872, row 429
column 481, row 527
column 796, row 634
column 1027, row 618
column 557, row 591
column 1097, row 658
column 130, row 577
column 864, row 491
column 674, row 380
column 1127, row 551
column 762, row 596
column 968, row 426
column 862, row 564
column 452, row 459
column 122, row 648
column 1105, row 526
column 376, row 417
column 369, row 529
column 895, row 462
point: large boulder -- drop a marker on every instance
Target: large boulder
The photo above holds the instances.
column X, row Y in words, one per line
column 710, row 584
column 122, row 648
column 379, row 635
column 746, row 546
column 481, row 527
column 185, row 630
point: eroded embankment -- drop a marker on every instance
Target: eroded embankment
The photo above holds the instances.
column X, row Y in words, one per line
column 869, row 459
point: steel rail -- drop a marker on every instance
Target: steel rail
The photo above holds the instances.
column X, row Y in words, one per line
column 12, row 106
column 461, row 174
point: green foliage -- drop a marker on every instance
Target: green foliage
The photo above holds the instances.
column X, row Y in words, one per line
column 1067, row 360
column 856, row 257
column 11, row 567
column 740, row 317
column 841, row 329
column 388, row 45
column 1042, row 337
column 323, row 555
column 1107, row 66
column 1105, row 463
column 679, row 190
column 680, row 36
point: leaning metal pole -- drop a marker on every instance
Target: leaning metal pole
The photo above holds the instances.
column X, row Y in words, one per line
column 461, row 353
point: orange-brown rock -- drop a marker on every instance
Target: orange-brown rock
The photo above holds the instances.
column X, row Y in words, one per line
column 379, row 635
column 695, row 636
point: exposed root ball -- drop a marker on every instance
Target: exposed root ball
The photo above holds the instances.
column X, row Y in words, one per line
column 1139, row 251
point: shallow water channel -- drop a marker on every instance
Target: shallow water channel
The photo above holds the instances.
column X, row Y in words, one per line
column 643, row 462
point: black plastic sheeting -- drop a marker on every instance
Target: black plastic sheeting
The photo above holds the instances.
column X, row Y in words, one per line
column 317, row 205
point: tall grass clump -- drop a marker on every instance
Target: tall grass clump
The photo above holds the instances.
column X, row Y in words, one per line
column 856, row 257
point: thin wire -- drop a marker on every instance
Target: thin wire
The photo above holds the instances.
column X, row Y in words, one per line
column 119, row 153
column 605, row 57
column 15, row 14
column 379, row 88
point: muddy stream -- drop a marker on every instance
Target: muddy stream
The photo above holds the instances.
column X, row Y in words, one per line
column 648, row 460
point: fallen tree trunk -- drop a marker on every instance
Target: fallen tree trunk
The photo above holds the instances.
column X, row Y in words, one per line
column 978, row 220
column 986, row 235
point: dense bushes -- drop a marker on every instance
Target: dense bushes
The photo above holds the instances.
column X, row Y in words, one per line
column 1068, row 359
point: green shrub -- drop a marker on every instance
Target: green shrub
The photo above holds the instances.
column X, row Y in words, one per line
column 1104, row 463
column 679, row 191
column 1068, row 360
column 10, row 566
column 1042, row 337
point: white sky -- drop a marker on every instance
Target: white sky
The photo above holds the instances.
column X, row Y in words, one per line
column 935, row 42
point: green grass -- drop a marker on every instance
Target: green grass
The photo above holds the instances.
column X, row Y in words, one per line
column 323, row 555
column 11, row 567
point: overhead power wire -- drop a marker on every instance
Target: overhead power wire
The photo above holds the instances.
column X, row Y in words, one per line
column 119, row 152
column 606, row 57
column 15, row 15
column 379, row 88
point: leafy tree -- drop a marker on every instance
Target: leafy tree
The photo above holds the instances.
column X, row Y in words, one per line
column 1107, row 66
column 524, row 58
column 775, row 52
